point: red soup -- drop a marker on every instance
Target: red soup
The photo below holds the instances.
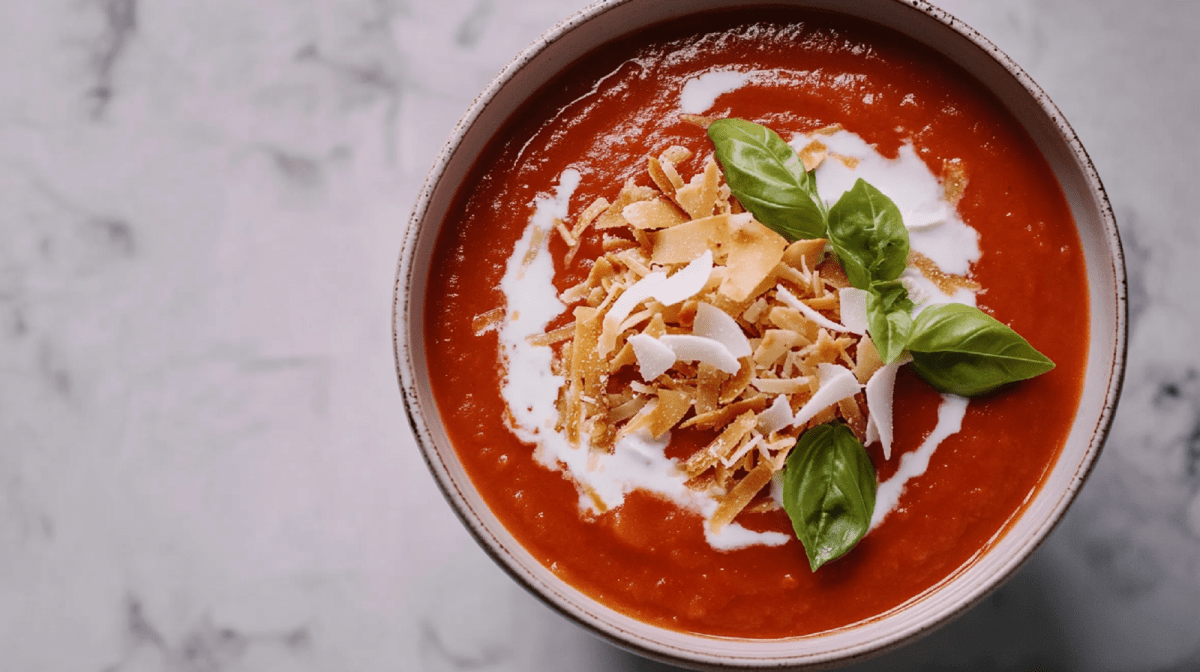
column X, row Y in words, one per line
column 799, row 72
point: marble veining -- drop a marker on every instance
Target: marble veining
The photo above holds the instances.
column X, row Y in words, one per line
column 203, row 462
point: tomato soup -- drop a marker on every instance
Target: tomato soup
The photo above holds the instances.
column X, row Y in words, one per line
column 648, row 557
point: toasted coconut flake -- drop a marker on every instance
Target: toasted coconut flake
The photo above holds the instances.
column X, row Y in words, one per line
column 848, row 161
column 740, row 496
column 740, row 457
column 774, row 345
column 535, row 245
column 601, row 271
column 792, row 320
column 565, row 233
column 781, row 385
column 659, row 176
column 631, row 193
column 551, row 337
column 698, row 120
column 724, row 414
column 804, row 255
column 585, row 371
column 954, row 180
column 946, row 283
column 867, row 360
column 708, row 387
column 656, row 214
column 666, row 163
column 585, row 220
column 734, row 387
column 833, row 275
column 853, row 416
column 755, row 311
column 675, row 155
column 670, row 409
column 626, row 410
column 704, row 459
column 487, row 321
column 698, row 197
column 682, row 243
column 753, row 252
column 635, row 260
column 813, row 154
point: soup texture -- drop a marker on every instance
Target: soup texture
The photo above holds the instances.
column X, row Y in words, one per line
column 877, row 103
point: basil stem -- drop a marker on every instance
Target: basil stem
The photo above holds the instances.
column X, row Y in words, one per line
column 768, row 178
column 960, row 349
column 868, row 235
column 889, row 318
column 829, row 492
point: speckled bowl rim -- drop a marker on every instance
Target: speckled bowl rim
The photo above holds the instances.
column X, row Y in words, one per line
column 852, row 643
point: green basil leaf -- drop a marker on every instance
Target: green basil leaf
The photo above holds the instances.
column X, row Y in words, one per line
column 889, row 318
column 829, row 491
column 963, row 350
column 768, row 178
column 868, row 235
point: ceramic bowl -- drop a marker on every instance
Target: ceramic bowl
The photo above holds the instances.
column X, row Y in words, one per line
column 605, row 21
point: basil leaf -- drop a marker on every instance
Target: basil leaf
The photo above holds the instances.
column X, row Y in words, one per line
column 889, row 318
column 868, row 235
column 768, row 178
column 963, row 350
column 829, row 492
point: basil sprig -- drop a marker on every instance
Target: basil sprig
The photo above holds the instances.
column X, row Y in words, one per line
column 961, row 349
column 768, row 178
column 829, row 492
column 868, row 236
column 889, row 318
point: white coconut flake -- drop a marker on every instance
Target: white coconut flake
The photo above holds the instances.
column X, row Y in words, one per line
column 636, row 293
column 741, row 452
column 712, row 322
column 776, row 417
column 653, row 357
column 879, row 393
column 686, row 282
column 790, row 299
column 836, row 383
column 693, row 348
column 854, row 309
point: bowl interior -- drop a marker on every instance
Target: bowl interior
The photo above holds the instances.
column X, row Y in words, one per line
column 1105, row 274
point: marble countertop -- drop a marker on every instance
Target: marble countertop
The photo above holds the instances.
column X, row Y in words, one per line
column 204, row 466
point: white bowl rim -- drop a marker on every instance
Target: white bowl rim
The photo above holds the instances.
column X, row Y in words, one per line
column 406, row 369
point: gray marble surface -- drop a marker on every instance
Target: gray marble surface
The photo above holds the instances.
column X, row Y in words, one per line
column 203, row 462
